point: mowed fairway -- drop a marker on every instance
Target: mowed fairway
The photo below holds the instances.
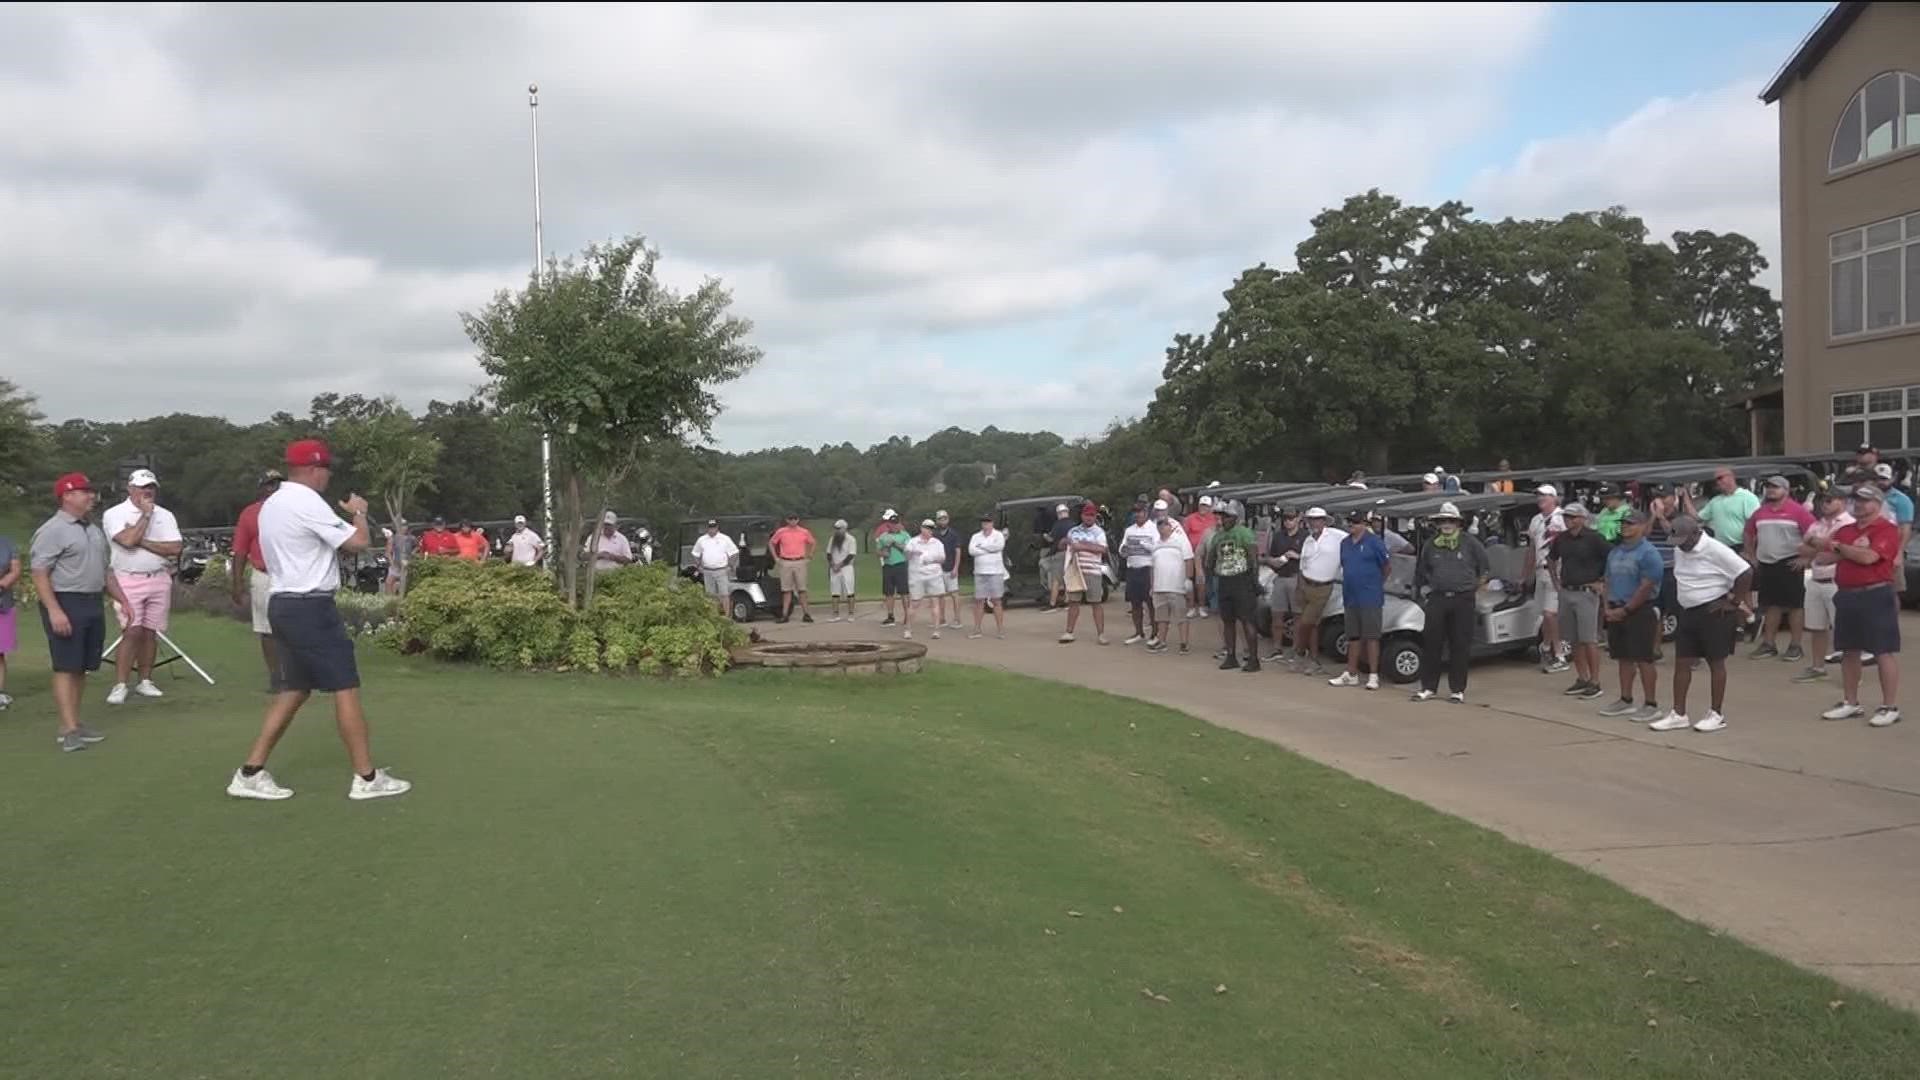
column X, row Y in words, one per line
column 956, row 874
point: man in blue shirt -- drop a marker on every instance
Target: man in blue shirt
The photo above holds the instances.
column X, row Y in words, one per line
column 1363, row 589
column 1634, row 575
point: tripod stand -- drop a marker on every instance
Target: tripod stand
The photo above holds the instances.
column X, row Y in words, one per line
column 162, row 661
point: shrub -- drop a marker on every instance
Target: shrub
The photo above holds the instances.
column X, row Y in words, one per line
column 511, row 616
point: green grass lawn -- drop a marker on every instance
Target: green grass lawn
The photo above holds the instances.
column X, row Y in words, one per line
column 957, row 874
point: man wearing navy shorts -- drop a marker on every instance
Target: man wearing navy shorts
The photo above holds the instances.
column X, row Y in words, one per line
column 301, row 537
column 69, row 561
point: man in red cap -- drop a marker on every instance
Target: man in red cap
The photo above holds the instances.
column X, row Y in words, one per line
column 301, row 537
column 69, row 561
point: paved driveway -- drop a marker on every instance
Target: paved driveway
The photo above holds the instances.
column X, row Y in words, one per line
column 1798, row 835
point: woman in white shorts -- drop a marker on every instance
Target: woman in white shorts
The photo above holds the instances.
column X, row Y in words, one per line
column 988, row 548
column 926, row 577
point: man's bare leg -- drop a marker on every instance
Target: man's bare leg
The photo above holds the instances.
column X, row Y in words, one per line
column 1717, row 684
column 1889, row 667
column 1073, row 615
column 1373, row 656
column 1796, row 626
column 280, row 713
column 149, row 649
column 125, row 657
column 352, row 721
column 67, row 687
column 271, row 657
column 1682, row 682
column 1099, row 618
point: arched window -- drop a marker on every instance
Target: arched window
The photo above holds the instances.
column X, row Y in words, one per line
column 1883, row 117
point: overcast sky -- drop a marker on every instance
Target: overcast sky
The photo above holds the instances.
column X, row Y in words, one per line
column 934, row 215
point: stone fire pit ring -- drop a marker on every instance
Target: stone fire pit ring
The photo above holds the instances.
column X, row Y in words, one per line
column 852, row 658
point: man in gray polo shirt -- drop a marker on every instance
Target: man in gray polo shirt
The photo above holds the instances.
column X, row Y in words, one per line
column 69, row 561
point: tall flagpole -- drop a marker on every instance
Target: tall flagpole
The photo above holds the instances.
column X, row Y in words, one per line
column 539, row 261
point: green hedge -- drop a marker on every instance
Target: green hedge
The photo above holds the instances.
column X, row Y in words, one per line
column 510, row 616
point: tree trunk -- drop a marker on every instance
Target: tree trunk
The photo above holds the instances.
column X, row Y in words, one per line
column 569, row 553
column 395, row 565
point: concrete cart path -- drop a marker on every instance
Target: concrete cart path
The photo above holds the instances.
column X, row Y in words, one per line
column 1797, row 835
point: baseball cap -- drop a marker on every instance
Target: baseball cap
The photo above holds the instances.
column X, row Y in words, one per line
column 519, row 519
column 1316, row 512
column 1574, row 510
column 1430, row 478
column 1159, row 504
column 839, row 523
column 438, row 520
column 609, row 518
column 73, row 481
column 1229, row 508
column 1610, row 491
column 1061, row 509
column 1547, row 489
column 1779, row 482
column 889, row 515
column 1447, row 511
column 986, row 515
column 926, row 523
column 1635, row 517
column 1359, row 516
column 1868, row 491
column 270, row 478
column 1883, row 470
column 309, row 452
column 1088, row 509
column 142, row 478
column 1206, row 500
column 1866, row 448
column 1684, row 528
column 712, row 524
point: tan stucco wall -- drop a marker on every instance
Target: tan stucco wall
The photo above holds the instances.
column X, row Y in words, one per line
column 1813, row 206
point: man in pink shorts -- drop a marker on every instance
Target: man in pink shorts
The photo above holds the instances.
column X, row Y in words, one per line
column 144, row 542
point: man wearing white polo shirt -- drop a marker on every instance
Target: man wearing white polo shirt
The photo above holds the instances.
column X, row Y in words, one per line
column 144, row 542
column 302, row 537
column 524, row 547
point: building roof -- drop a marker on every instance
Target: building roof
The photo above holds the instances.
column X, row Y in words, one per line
column 1813, row 48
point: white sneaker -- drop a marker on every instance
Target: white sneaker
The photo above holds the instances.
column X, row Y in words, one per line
column 1673, row 721
column 1457, row 698
column 1153, row 642
column 1885, row 716
column 1373, row 682
column 145, row 688
column 956, row 625
column 1712, row 722
column 1066, row 638
column 258, row 786
column 1205, row 614
column 381, row 786
column 1844, row 711
column 936, row 635
column 908, row 634
column 1423, row 695
column 117, row 695
column 975, row 636
column 835, row 618
column 1101, row 640
column 1134, row 640
column 1193, row 613
column 1345, row 678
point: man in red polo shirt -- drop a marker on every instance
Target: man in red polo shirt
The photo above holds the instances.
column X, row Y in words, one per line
column 792, row 545
column 247, row 573
column 1866, row 611
column 439, row 540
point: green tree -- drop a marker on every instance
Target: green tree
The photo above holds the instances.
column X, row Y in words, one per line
column 393, row 459
column 23, row 444
column 612, row 363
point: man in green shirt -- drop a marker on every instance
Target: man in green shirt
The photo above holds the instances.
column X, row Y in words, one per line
column 1726, row 514
column 1230, row 555
column 1608, row 521
column 890, row 543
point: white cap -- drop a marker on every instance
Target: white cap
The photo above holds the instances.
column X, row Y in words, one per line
column 1883, row 470
column 519, row 519
column 1447, row 510
column 145, row 478
column 1361, row 484
column 1159, row 504
column 644, row 535
column 610, row 518
column 889, row 515
column 1206, row 500
column 1430, row 478
column 1315, row 511
column 839, row 523
column 926, row 523
column 1547, row 489
column 1441, row 469
column 1061, row 509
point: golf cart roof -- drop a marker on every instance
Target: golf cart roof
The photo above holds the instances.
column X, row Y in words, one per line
column 1421, row 504
column 1040, row 500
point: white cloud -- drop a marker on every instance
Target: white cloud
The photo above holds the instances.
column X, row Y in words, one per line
column 1708, row 161
column 231, row 207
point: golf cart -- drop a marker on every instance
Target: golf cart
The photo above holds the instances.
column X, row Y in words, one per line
column 756, row 587
column 1509, row 614
column 1028, row 524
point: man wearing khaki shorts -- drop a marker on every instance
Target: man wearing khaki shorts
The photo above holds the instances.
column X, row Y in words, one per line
column 1319, row 566
column 792, row 545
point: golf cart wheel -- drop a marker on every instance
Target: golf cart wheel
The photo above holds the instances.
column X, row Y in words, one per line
column 1400, row 660
column 1669, row 625
column 1333, row 639
column 741, row 608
